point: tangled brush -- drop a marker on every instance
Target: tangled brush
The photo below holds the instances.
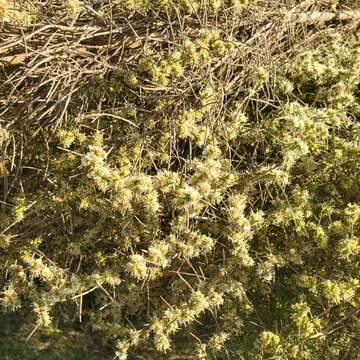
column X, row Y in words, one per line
column 180, row 179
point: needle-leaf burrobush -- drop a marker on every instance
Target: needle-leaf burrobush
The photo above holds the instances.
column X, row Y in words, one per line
column 179, row 202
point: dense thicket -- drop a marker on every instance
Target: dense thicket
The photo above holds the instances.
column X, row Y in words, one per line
column 180, row 179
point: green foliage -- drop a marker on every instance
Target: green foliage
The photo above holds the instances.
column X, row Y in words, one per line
column 200, row 221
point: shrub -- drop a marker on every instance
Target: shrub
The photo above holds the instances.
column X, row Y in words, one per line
column 177, row 209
